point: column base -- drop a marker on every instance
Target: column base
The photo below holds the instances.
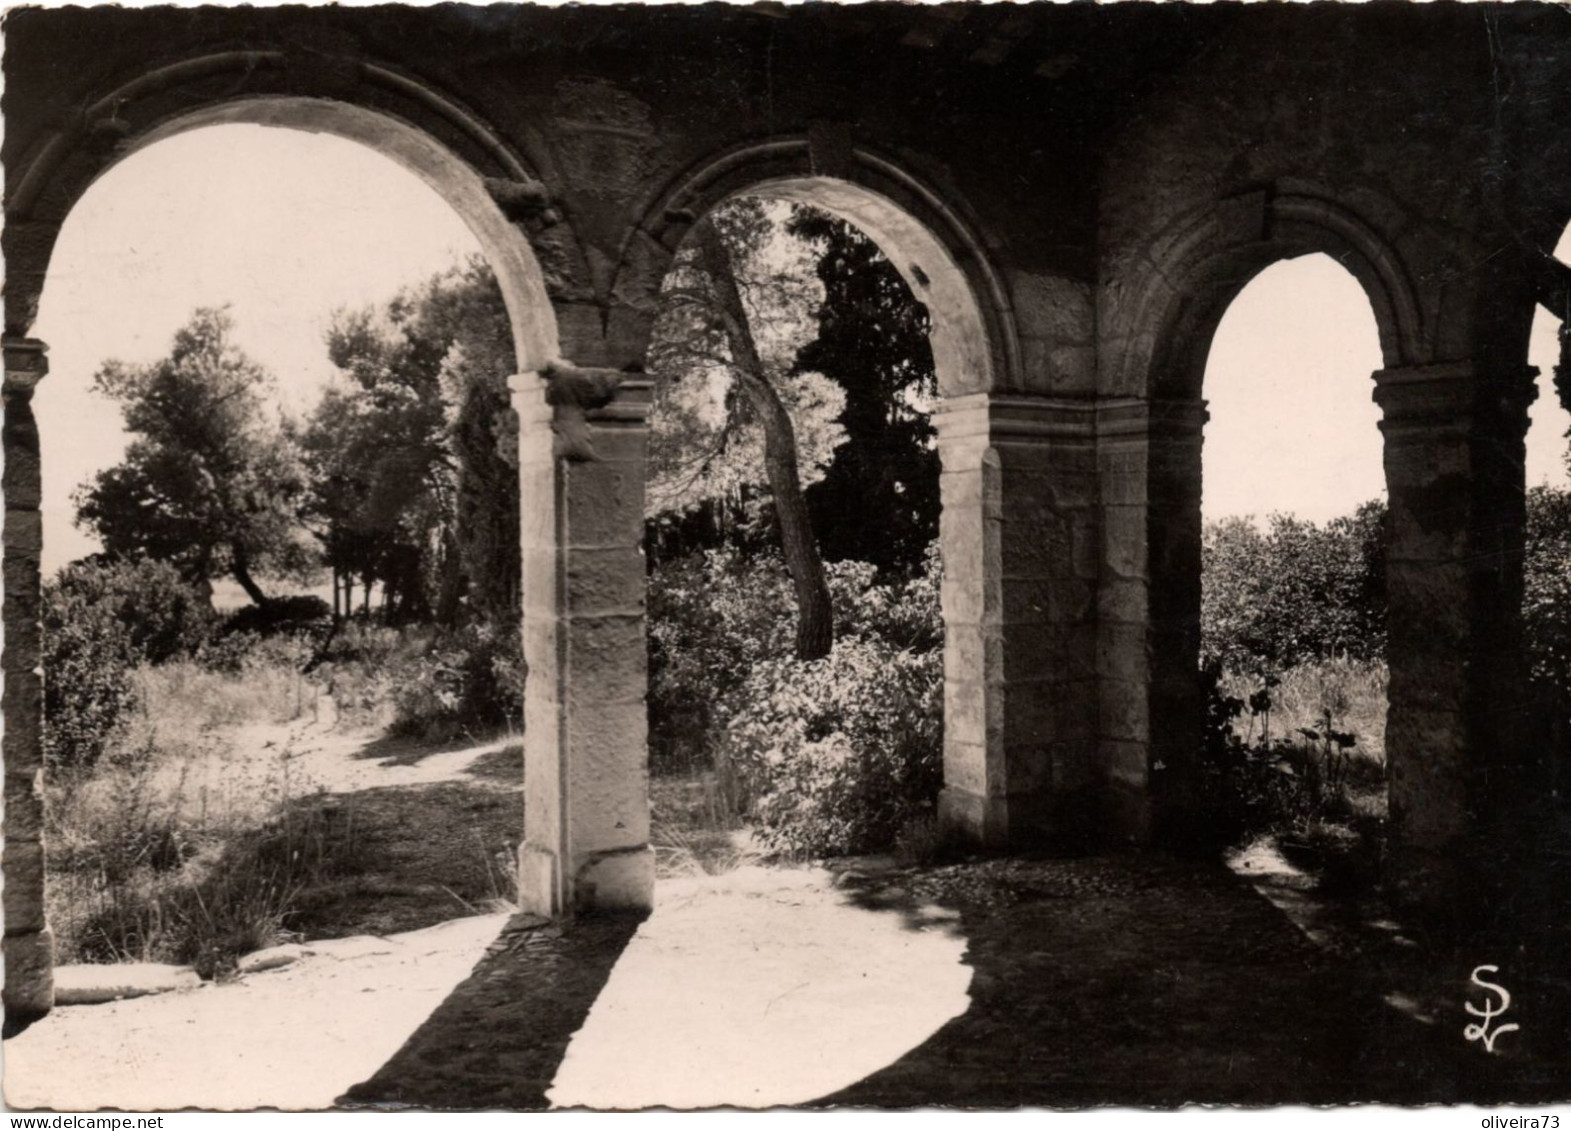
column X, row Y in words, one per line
column 622, row 879
column 1012, row 822
column 29, row 978
column 538, row 881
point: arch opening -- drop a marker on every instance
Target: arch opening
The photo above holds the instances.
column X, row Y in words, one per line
column 523, row 302
column 921, row 283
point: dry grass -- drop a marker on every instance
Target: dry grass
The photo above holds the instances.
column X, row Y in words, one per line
column 1352, row 691
column 148, row 861
column 693, row 829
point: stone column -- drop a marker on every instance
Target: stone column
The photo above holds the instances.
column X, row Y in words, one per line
column 1454, row 453
column 1151, row 702
column 1020, row 545
column 586, row 773
column 29, row 944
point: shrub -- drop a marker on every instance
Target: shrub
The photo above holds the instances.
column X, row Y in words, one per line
column 293, row 616
column 829, row 756
column 714, row 617
column 1294, row 593
column 100, row 620
column 837, row 755
column 469, row 680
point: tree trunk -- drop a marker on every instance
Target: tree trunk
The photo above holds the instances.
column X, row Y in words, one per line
column 240, row 567
column 815, row 629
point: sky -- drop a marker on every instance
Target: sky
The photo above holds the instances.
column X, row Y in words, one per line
column 283, row 225
column 286, row 226
column 1294, row 426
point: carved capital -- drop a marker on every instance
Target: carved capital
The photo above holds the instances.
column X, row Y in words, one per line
column 579, row 395
column 26, row 364
column 523, row 200
column 1452, row 398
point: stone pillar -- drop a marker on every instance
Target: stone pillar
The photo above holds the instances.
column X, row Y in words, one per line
column 1151, row 701
column 1020, row 544
column 586, row 771
column 1454, row 453
column 29, row 944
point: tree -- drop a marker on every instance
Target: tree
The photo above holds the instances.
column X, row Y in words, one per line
column 211, row 480
column 879, row 500
column 414, row 454
column 724, row 294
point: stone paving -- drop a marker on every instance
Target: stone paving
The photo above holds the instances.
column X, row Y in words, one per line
column 1130, row 980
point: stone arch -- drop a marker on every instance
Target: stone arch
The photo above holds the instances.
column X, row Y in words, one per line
column 1453, row 392
column 938, row 250
column 447, row 146
column 942, row 257
column 442, row 142
column 1196, row 269
column 1186, row 281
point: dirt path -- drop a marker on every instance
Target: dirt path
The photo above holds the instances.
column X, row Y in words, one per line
column 295, row 1038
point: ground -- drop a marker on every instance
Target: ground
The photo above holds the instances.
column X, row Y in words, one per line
column 1061, row 982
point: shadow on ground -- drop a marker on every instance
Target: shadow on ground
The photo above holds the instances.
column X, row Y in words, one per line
column 498, row 1039
column 1153, row 981
column 1128, row 980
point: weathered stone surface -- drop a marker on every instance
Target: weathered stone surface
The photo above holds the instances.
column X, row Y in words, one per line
column 273, row 958
column 112, row 981
column 24, row 804
column 29, row 977
column 24, row 885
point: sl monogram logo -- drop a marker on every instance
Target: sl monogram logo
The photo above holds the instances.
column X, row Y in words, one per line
column 1481, row 1030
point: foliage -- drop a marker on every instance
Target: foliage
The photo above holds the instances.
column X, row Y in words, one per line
column 706, row 441
column 413, row 455
column 1287, row 780
column 101, row 618
column 878, row 501
column 832, row 755
column 470, row 680
column 838, row 755
column 210, row 480
column 1546, row 605
column 1298, row 591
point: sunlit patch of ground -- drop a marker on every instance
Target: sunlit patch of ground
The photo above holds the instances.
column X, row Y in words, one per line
column 762, row 987
column 294, row 1038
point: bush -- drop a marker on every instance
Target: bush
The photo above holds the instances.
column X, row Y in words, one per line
column 838, row 755
column 101, row 619
column 830, row 756
column 715, row 616
column 1296, row 592
column 469, row 680
column 291, row 616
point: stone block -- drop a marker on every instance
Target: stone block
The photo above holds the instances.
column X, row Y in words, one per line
column 605, row 504
column 24, row 805
column 23, row 536
column 1124, row 709
column 22, row 700
column 542, row 593
column 1029, row 767
column 538, row 891
column 606, row 581
column 972, row 653
column 22, row 475
column 1121, row 600
column 1123, row 652
column 104, row 982
column 24, row 886
column 29, row 977
column 966, row 764
column 607, row 660
column 975, row 711
column 619, row 881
